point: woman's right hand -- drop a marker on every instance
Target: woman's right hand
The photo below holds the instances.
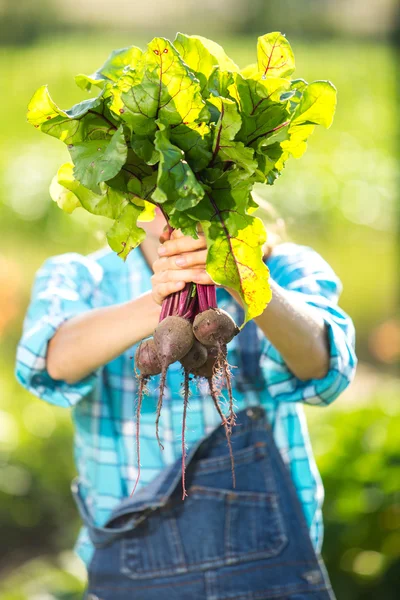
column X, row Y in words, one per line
column 182, row 260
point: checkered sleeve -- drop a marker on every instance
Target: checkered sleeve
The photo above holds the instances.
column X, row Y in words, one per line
column 307, row 277
column 64, row 287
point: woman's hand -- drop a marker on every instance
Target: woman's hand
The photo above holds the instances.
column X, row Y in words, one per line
column 181, row 260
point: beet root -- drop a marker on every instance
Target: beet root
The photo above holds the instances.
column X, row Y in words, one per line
column 142, row 383
column 208, row 369
column 173, row 338
column 185, row 405
column 214, row 327
column 195, row 358
column 226, row 426
column 146, row 358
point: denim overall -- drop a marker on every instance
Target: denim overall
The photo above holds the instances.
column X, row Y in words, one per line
column 221, row 543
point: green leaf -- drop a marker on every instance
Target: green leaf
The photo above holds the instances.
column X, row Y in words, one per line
column 42, row 108
column 181, row 126
column 219, row 82
column 316, row 107
column 176, row 180
column 99, row 160
column 199, row 60
column 224, row 62
column 181, row 220
column 317, row 104
column 135, row 177
column 297, row 86
column 235, row 261
column 234, row 240
column 112, row 69
column 125, row 234
column 225, row 149
column 208, row 62
column 65, row 199
column 268, row 158
column 108, row 203
column 275, row 56
column 144, row 148
column 87, row 120
column 260, row 106
column 195, row 142
column 161, row 88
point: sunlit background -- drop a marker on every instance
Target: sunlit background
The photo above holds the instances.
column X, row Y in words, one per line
column 342, row 198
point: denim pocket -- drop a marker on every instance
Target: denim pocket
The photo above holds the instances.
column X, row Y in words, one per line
column 215, row 526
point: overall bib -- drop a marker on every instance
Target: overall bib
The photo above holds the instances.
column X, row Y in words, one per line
column 221, row 543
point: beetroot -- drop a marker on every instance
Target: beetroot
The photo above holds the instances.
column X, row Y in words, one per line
column 214, row 327
column 207, row 370
column 195, row 358
column 173, row 339
column 194, row 331
column 146, row 358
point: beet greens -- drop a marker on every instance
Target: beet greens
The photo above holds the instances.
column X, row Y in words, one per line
column 180, row 126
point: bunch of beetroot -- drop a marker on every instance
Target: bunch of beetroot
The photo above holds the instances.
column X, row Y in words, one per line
column 194, row 331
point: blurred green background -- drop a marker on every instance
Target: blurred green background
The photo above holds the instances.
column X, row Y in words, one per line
column 342, row 198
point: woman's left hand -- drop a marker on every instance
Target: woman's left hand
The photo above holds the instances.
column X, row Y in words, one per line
column 182, row 253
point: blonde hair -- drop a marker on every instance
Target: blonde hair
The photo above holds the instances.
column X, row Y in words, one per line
column 274, row 224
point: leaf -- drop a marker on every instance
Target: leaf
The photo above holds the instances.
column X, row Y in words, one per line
column 207, row 60
column 112, row 69
column 224, row 62
column 275, row 56
column 87, row 120
column 316, row 107
column 195, row 142
column 219, row 82
column 99, row 160
column 297, row 86
column 317, row 104
column 148, row 212
column 125, row 234
column 42, row 108
column 108, row 203
column 236, row 262
column 144, row 148
column 161, row 88
column 135, row 177
column 225, row 149
column 176, row 180
column 65, row 199
column 260, row 106
column 199, row 60
column 268, row 158
column 235, row 240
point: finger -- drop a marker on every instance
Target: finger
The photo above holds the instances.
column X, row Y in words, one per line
column 189, row 259
column 177, row 233
column 182, row 244
column 162, row 290
column 166, row 234
column 187, row 275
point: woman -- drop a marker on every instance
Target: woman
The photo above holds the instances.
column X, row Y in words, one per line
column 261, row 540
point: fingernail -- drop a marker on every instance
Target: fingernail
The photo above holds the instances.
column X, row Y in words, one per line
column 162, row 250
column 181, row 261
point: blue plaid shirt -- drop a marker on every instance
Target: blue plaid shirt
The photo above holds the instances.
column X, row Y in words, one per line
column 103, row 404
